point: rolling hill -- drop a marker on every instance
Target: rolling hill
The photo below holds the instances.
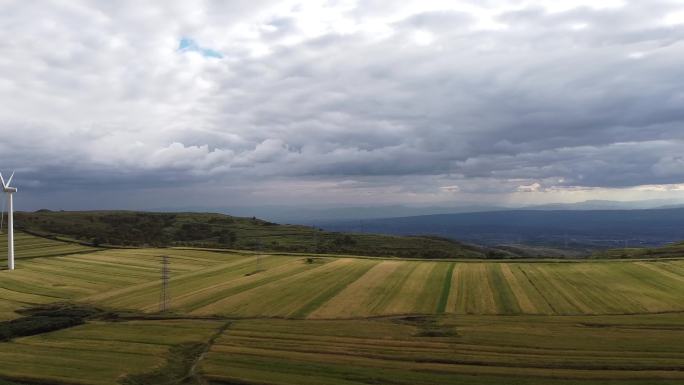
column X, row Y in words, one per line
column 128, row 228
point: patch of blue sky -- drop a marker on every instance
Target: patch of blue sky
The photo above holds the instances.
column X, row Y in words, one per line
column 189, row 45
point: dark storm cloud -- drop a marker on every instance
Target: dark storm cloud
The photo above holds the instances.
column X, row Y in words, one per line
column 488, row 98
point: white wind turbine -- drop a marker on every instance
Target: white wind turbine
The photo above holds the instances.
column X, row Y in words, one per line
column 10, row 220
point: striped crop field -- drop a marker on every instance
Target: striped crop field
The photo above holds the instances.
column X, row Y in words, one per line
column 29, row 246
column 237, row 284
column 473, row 350
column 35, row 288
column 404, row 350
column 71, row 277
column 339, row 288
column 297, row 319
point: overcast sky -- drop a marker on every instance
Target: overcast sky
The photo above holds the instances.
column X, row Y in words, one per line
column 130, row 104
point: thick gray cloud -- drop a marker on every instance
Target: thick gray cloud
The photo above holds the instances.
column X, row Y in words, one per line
column 345, row 101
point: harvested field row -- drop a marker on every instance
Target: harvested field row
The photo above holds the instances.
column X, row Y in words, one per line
column 75, row 276
column 449, row 350
column 288, row 286
column 97, row 353
column 29, row 246
column 205, row 282
column 471, row 349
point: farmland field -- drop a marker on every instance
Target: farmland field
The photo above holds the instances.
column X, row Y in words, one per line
column 481, row 350
column 29, row 246
column 237, row 284
column 98, row 352
column 452, row 350
column 338, row 288
column 295, row 319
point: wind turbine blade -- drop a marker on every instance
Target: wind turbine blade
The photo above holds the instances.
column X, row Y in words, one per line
column 2, row 180
column 10, row 179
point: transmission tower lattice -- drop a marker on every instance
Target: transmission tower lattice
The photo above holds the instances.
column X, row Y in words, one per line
column 164, row 294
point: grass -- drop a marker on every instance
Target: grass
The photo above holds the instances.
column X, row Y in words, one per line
column 29, row 246
column 481, row 350
column 416, row 284
column 334, row 287
column 446, row 289
column 363, row 295
column 351, row 321
column 181, row 364
column 230, row 283
column 505, row 298
column 98, row 352
column 180, row 360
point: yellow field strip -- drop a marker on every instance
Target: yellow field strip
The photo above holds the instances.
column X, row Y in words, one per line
column 276, row 298
column 359, row 297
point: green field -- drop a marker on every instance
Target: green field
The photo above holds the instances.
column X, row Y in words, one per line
column 29, row 246
column 452, row 350
column 99, row 352
column 295, row 319
column 481, row 350
column 241, row 284
column 334, row 288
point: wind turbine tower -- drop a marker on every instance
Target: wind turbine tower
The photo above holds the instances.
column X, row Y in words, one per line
column 10, row 220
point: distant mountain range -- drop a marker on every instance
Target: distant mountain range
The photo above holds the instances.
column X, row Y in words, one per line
column 566, row 228
column 308, row 215
column 610, row 205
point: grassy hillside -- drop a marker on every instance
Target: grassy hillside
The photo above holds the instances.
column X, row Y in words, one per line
column 127, row 228
column 240, row 317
